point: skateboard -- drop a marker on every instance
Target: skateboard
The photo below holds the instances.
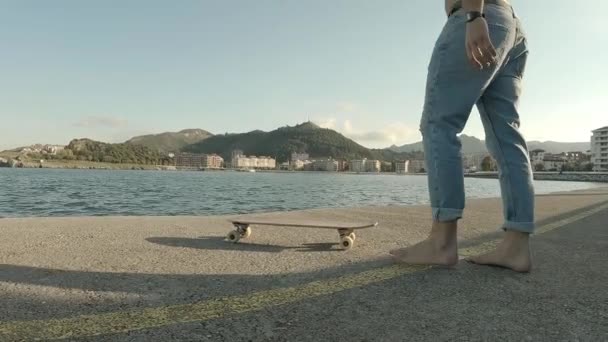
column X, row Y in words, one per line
column 346, row 231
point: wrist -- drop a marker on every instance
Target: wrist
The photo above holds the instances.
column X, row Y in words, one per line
column 475, row 15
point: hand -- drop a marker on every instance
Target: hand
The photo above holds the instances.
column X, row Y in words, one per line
column 480, row 51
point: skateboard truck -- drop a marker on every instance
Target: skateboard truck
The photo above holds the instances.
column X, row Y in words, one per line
column 242, row 231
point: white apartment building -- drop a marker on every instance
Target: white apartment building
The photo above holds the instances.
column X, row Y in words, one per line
column 364, row 165
column 599, row 149
column 194, row 160
column 357, row 165
column 416, row 166
column 235, row 155
column 410, row 166
column 298, row 164
column 213, row 161
column 372, row 166
column 537, row 157
column 402, row 167
column 253, row 162
column 325, row 165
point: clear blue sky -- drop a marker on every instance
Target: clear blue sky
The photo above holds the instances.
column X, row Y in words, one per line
column 112, row 69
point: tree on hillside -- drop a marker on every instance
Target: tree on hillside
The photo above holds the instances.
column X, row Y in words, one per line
column 487, row 164
column 88, row 150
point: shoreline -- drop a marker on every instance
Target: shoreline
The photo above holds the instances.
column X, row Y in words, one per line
column 574, row 176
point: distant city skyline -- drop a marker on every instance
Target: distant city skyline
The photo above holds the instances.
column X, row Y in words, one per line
column 110, row 70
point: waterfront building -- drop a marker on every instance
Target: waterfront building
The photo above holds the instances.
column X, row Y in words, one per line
column 599, row 149
column 402, row 166
column 357, row 165
column 198, row 161
column 253, row 162
column 416, row 166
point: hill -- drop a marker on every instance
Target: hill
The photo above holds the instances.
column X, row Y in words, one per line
column 171, row 141
column 90, row 150
column 473, row 145
column 280, row 143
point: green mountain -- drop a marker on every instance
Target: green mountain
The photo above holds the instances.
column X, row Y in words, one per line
column 280, row 143
column 86, row 149
column 170, row 141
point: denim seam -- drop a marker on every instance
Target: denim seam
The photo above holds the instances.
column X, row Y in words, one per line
column 505, row 169
column 433, row 99
column 433, row 130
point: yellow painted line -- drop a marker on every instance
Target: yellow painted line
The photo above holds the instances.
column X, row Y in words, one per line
column 125, row 321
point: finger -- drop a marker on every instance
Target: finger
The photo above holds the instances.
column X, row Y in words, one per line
column 486, row 58
column 470, row 54
column 479, row 57
column 483, row 56
column 489, row 53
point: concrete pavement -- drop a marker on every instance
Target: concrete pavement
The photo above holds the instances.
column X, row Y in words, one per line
column 161, row 278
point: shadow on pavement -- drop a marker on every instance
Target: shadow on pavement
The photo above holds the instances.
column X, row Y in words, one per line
column 219, row 243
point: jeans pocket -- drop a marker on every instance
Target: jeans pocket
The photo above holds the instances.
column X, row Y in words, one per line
column 500, row 17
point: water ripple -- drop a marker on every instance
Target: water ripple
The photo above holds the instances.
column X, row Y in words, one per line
column 45, row 192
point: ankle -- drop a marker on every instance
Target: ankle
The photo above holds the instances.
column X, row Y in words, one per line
column 515, row 243
column 516, row 238
column 444, row 234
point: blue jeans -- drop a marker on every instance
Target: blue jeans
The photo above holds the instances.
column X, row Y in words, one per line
column 453, row 87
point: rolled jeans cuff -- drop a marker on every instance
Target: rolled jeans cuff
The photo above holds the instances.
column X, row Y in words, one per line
column 523, row 227
column 446, row 214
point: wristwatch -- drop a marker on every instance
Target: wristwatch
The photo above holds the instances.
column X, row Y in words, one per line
column 471, row 16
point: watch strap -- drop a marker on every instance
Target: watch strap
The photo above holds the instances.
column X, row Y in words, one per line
column 471, row 16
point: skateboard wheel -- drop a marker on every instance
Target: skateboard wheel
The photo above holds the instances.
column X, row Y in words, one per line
column 352, row 236
column 246, row 233
column 233, row 236
column 346, row 242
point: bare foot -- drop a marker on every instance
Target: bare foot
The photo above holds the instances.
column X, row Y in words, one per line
column 513, row 252
column 440, row 248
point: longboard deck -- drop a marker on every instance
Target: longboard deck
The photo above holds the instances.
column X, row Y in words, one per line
column 304, row 223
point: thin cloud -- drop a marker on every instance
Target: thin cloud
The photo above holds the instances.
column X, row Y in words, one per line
column 348, row 126
column 394, row 133
column 101, row 121
column 369, row 136
column 390, row 134
column 326, row 123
